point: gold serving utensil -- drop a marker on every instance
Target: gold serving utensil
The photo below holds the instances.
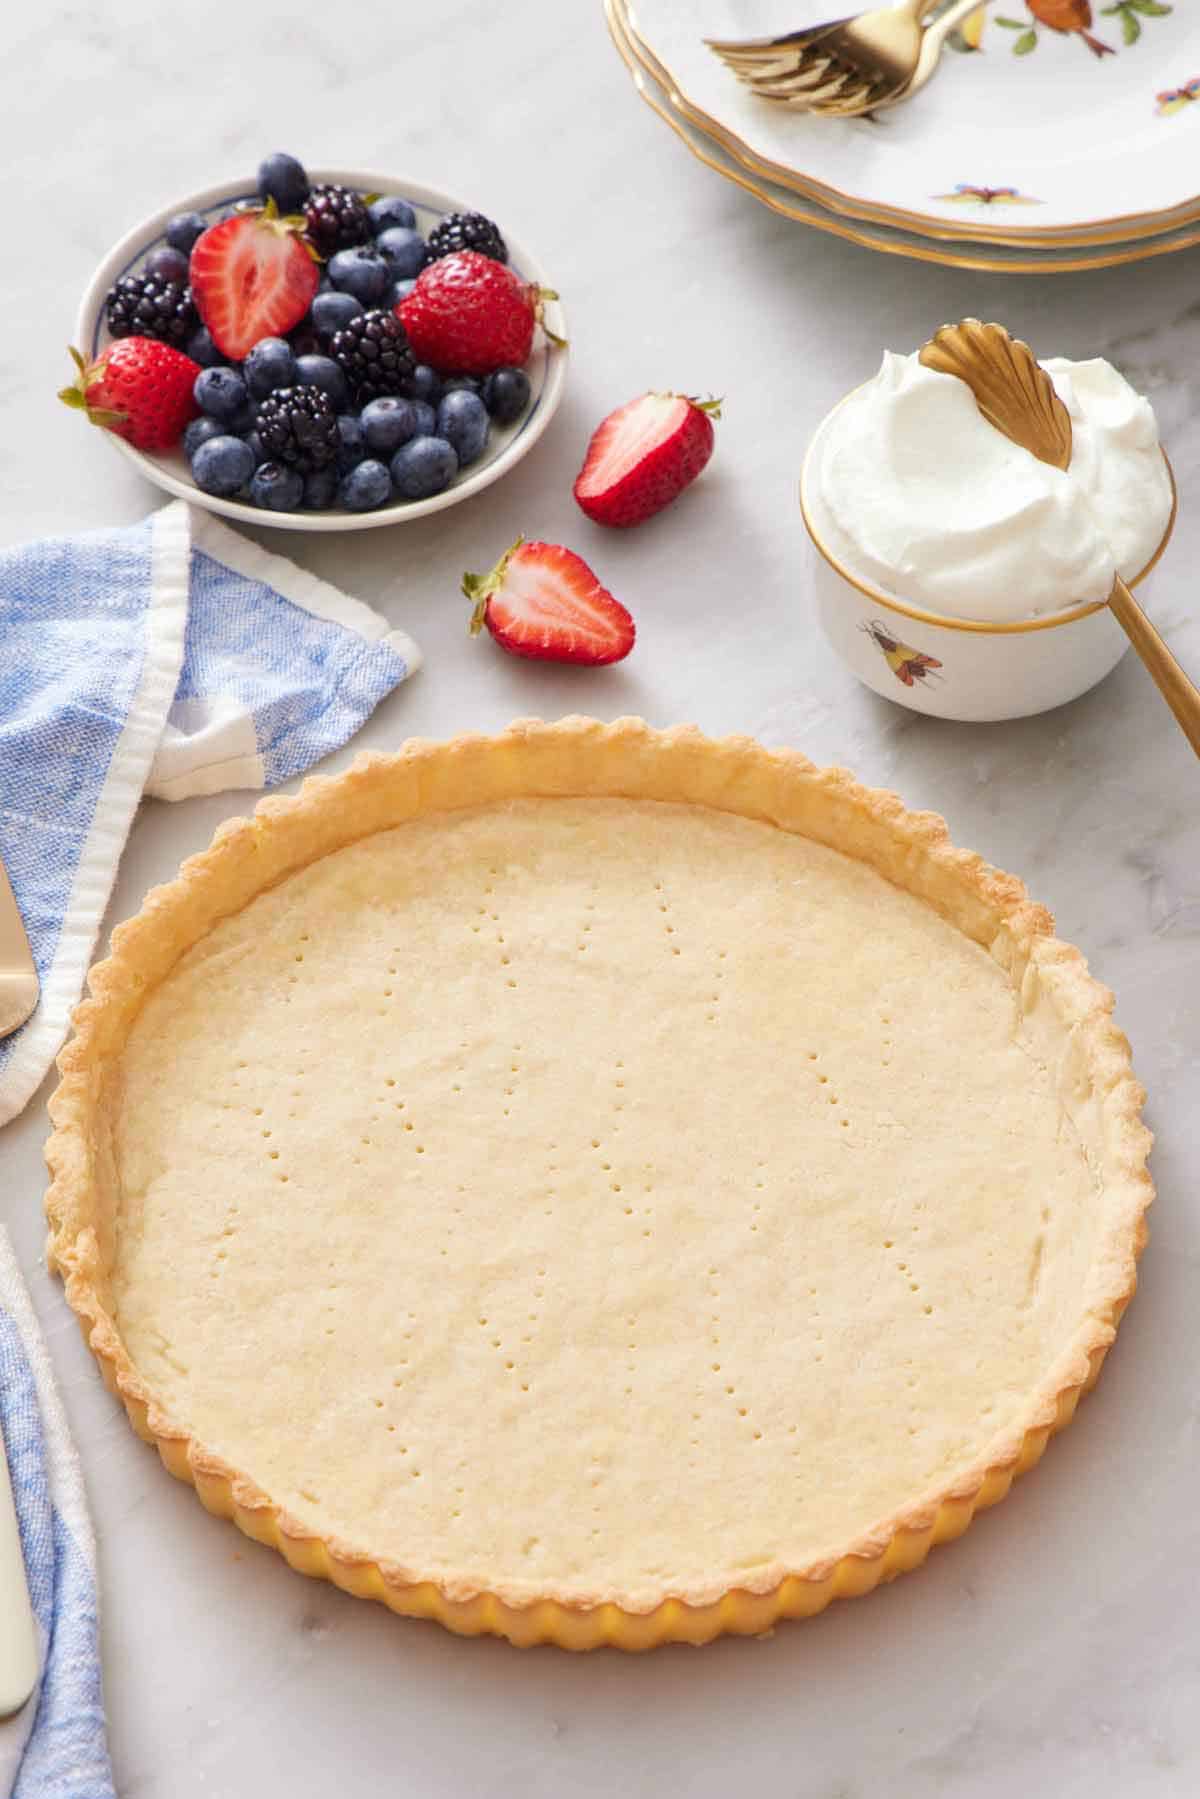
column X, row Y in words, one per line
column 1017, row 396
column 19, row 1658
column 18, row 1639
column 18, row 977
column 849, row 66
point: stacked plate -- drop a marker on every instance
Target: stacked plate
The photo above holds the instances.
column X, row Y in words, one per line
column 1055, row 136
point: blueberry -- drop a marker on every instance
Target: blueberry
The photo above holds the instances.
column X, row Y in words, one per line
column 320, row 489
column 423, row 466
column 425, row 416
column 201, row 348
column 387, row 423
column 424, row 384
column 360, row 272
column 221, row 393
column 222, row 465
column 505, row 393
column 282, row 179
column 199, row 432
column 400, row 290
column 167, row 264
column 452, row 384
column 391, row 210
column 353, row 445
column 269, row 365
column 462, row 419
column 276, row 487
column 184, row 229
column 256, row 447
column 304, row 340
column 323, row 372
column 404, row 250
column 332, row 312
column 366, row 486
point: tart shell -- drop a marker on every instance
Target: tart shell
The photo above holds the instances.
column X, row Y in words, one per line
column 580, row 757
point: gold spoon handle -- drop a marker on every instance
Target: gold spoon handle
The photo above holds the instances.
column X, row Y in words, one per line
column 1181, row 694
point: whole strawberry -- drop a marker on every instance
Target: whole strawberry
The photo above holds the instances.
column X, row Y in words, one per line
column 644, row 455
column 468, row 315
column 139, row 389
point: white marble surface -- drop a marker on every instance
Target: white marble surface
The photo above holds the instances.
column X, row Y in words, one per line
column 1055, row 1649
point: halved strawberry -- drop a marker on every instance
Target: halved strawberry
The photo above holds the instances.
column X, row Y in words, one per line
column 138, row 389
column 644, row 455
column 252, row 276
column 543, row 601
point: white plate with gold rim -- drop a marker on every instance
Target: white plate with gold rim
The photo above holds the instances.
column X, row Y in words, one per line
column 1088, row 130
column 1015, row 258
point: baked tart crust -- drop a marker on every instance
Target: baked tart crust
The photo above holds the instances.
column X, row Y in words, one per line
column 594, row 1184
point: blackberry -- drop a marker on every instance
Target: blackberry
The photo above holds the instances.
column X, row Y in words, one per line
column 467, row 231
column 297, row 425
column 373, row 354
column 337, row 218
column 148, row 306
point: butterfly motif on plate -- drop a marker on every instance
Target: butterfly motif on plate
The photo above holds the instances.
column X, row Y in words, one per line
column 1175, row 99
column 965, row 194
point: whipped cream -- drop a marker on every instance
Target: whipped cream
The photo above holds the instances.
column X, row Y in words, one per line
column 916, row 492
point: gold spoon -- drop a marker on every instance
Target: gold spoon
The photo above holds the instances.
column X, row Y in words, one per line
column 1017, row 396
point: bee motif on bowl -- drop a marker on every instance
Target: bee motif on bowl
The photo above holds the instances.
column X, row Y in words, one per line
column 908, row 665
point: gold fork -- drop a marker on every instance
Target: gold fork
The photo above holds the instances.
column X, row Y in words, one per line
column 848, row 66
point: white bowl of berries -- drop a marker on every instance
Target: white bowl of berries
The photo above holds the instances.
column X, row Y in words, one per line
column 321, row 352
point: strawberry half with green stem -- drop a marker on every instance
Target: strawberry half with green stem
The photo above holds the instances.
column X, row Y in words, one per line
column 252, row 276
column 468, row 315
column 544, row 602
column 139, row 389
column 644, row 455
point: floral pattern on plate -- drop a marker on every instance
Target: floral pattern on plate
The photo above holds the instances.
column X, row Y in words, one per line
column 1074, row 18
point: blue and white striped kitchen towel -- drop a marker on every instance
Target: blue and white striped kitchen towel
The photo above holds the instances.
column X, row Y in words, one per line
column 172, row 658
column 56, row 1747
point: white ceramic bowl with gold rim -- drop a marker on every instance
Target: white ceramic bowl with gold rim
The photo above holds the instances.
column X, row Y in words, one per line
column 959, row 668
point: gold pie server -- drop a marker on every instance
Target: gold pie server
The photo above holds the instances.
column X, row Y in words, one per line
column 1016, row 395
column 18, row 976
column 18, row 1641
